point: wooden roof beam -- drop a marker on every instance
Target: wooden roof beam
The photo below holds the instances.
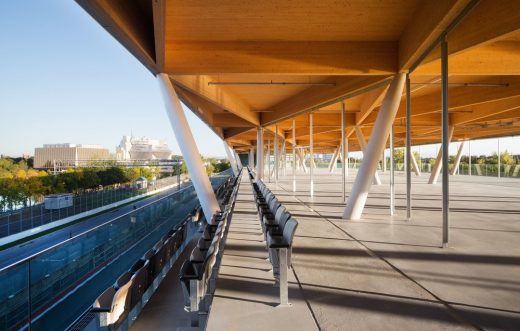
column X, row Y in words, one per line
column 488, row 22
column 218, row 95
column 431, row 18
column 281, row 57
column 316, row 97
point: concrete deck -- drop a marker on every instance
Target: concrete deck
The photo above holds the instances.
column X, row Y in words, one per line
column 245, row 298
column 381, row 272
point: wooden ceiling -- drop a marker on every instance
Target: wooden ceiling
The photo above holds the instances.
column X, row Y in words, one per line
column 241, row 64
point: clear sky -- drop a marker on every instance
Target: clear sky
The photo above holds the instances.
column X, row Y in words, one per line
column 63, row 78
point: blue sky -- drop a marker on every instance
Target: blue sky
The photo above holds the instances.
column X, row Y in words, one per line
column 63, row 78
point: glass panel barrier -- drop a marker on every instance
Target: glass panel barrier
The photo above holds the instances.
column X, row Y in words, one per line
column 67, row 278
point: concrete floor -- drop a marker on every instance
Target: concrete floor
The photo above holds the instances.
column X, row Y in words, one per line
column 383, row 272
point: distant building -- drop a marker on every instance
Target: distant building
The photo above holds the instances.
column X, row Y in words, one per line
column 60, row 156
column 133, row 148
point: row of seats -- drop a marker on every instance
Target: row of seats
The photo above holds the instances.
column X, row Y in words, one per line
column 278, row 228
column 198, row 273
column 117, row 301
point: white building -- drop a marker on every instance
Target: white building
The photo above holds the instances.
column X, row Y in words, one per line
column 60, row 156
column 133, row 148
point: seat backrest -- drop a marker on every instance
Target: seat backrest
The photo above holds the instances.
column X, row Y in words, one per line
column 281, row 216
column 274, row 205
column 120, row 303
column 104, row 300
column 140, row 283
column 289, row 230
column 138, row 265
column 122, row 280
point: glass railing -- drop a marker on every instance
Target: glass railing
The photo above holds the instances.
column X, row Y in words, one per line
column 49, row 290
column 22, row 219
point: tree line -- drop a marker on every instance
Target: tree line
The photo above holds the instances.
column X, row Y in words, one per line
column 19, row 184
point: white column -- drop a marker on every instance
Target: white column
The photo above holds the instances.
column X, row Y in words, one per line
column 259, row 153
column 415, row 166
column 392, row 174
column 469, row 159
column 346, row 162
column 384, row 162
column 332, row 164
column 498, row 154
column 457, row 159
column 311, row 150
column 276, row 154
column 294, row 155
column 251, row 161
column 269, row 159
column 376, row 145
column 188, row 147
column 438, row 162
column 231, row 157
column 363, row 145
column 238, row 161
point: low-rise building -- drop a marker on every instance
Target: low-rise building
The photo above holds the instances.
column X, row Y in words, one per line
column 60, row 156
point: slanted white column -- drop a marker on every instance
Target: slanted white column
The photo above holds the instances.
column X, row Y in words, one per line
column 259, row 153
column 363, row 145
column 231, row 157
column 438, row 162
column 333, row 160
column 376, row 145
column 301, row 154
column 457, row 159
column 384, row 162
column 188, row 147
column 415, row 166
column 238, row 161
column 251, row 161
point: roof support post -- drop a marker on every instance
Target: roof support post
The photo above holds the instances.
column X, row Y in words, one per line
column 188, row 147
column 415, row 166
column 363, row 145
column 392, row 177
column 294, row 155
column 251, row 159
column 334, row 159
column 498, row 154
column 457, row 159
column 343, row 152
column 408, row 153
column 276, row 154
column 231, row 157
column 446, row 138
column 311, row 151
column 259, row 153
column 382, row 126
column 438, row 162
column 469, row 157
column 269, row 159
column 238, row 161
